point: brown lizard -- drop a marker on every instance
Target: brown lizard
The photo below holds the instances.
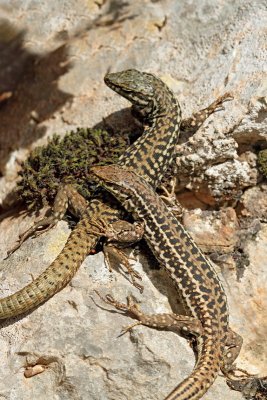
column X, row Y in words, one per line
column 206, row 322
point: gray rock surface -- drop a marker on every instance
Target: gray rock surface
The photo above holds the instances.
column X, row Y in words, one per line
column 54, row 57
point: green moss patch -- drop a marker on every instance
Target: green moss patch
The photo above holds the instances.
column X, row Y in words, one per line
column 262, row 162
column 67, row 160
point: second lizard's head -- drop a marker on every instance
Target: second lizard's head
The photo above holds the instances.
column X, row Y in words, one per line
column 117, row 180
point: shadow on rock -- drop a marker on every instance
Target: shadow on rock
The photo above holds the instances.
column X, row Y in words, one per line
column 28, row 89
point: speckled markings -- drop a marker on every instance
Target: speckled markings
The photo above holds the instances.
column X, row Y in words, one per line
column 150, row 156
column 203, row 296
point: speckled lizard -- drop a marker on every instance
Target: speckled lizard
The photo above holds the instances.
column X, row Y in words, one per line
column 150, row 155
column 204, row 300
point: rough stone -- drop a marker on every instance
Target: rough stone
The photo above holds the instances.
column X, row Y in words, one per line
column 254, row 202
column 53, row 56
column 213, row 231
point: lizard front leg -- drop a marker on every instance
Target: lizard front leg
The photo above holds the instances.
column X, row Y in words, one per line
column 67, row 197
column 190, row 125
column 121, row 234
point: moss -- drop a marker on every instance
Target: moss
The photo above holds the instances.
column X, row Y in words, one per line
column 262, row 162
column 67, row 160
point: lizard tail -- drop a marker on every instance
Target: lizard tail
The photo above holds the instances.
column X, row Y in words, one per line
column 203, row 375
column 55, row 277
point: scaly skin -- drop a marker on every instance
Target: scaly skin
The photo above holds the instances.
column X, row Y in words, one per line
column 150, row 155
column 192, row 273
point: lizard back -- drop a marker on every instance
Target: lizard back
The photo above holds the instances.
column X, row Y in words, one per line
column 192, row 273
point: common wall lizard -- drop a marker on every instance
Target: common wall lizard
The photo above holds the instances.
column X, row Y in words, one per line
column 150, row 155
column 197, row 283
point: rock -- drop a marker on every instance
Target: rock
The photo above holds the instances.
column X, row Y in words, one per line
column 254, row 202
column 213, row 231
column 53, row 59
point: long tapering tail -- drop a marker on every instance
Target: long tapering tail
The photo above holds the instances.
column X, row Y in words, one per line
column 54, row 278
column 203, row 375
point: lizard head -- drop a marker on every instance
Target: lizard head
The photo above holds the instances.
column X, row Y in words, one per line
column 125, row 185
column 145, row 91
column 115, row 179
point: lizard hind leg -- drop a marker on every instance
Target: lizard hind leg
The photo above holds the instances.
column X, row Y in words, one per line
column 184, row 325
column 250, row 385
column 233, row 344
column 251, row 388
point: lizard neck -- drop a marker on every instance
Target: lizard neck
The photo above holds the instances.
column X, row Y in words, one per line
column 153, row 152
